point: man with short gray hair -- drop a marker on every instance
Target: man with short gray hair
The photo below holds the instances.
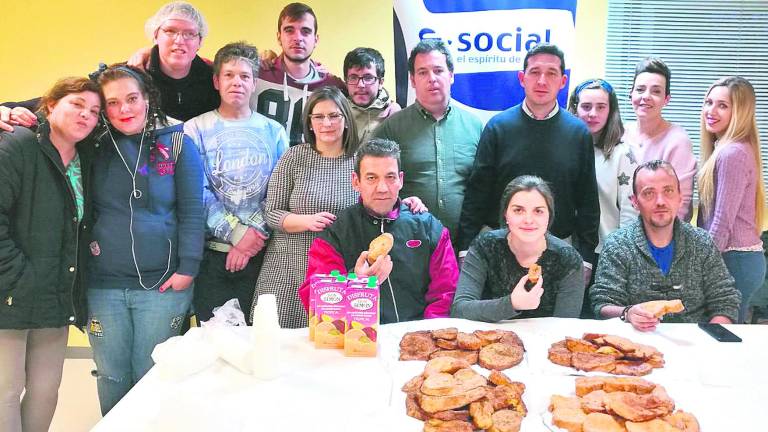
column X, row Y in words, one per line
column 659, row 257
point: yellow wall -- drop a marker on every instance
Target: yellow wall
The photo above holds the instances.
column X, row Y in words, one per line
column 44, row 40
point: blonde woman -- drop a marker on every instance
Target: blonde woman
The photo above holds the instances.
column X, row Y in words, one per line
column 731, row 191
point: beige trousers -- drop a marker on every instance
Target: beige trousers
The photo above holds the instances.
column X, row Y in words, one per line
column 31, row 362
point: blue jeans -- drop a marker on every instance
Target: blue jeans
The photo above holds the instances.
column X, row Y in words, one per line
column 123, row 328
column 748, row 269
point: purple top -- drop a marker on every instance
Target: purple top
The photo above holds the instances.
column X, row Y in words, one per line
column 673, row 146
column 732, row 220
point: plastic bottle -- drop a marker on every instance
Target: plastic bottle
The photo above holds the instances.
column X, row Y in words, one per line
column 265, row 337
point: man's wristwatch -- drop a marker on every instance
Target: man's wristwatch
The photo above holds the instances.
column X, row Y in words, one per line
column 624, row 313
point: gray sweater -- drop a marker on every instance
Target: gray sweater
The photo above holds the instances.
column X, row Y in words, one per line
column 627, row 274
column 490, row 272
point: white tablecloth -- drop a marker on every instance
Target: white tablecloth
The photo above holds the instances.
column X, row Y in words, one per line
column 724, row 384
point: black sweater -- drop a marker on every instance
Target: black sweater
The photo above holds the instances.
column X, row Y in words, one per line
column 559, row 150
column 181, row 98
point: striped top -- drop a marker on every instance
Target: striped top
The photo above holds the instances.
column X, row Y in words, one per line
column 304, row 182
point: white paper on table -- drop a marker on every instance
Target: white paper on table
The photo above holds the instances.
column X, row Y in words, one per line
column 179, row 356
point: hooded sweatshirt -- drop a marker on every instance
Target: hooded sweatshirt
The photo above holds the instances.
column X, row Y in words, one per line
column 368, row 118
column 148, row 216
column 281, row 97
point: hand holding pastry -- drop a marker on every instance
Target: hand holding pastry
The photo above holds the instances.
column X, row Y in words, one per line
column 380, row 246
column 659, row 308
column 522, row 299
column 641, row 319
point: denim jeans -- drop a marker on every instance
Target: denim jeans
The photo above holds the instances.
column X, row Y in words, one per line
column 123, row 328
column 748, row 269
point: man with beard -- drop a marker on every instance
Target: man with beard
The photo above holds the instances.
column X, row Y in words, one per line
column 282, row 89
column 364, row 75
column 660, row 257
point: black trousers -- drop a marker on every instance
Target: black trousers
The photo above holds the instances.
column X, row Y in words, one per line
column 214, row 285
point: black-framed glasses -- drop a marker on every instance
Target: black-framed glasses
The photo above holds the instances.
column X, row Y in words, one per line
column 332, row 117
column 605, row 85
column 366, row 79
column 186, row 34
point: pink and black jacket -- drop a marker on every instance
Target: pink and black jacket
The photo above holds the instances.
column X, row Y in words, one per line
column 424, row 273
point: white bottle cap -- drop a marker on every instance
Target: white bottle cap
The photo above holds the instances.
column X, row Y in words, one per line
column 265, row 313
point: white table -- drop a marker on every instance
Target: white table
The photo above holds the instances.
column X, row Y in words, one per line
column 724, row 384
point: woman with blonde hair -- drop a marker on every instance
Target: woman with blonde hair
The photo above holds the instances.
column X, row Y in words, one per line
column 731, row 191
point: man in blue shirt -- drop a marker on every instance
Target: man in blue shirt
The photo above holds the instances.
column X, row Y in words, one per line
column 660, row 257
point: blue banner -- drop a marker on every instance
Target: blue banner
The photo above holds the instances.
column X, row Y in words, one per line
column 488, row 40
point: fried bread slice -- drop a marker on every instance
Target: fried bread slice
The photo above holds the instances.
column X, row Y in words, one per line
column 654, row 425
column 446, row 333
column 433, row 404
column 570, row 419
column 593, row 362
column 659, row 308
column 558, row 401
column 468, row 341
column 506, row 421
column 481, row 411
column 600, row 422
column 468, row 356
column 500, row 356
column 436, row 425
column 417, row 346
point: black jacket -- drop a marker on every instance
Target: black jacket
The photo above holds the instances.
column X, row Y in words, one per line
column 424, row 272
column 186, row 97
column 181, row 98
column 40, row 254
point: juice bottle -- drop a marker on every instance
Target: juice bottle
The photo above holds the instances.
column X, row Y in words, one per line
column 330, row 313
column 313, row 284
column 362, row 318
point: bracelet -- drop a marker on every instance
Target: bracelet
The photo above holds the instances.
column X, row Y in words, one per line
column 623, row 315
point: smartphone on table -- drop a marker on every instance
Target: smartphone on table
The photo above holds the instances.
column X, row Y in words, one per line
column 719, row 332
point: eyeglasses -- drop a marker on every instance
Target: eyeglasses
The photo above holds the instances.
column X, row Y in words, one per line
column 605, row 85
column 366, row 79
column 186, row 35
column 332, row 117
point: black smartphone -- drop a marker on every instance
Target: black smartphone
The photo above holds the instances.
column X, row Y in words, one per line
column 719, row 332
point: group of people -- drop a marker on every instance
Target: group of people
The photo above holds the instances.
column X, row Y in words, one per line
column 173, row 183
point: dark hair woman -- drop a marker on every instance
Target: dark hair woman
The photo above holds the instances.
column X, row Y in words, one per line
column 42, row 203
column 146, row 238
column 494, row 283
